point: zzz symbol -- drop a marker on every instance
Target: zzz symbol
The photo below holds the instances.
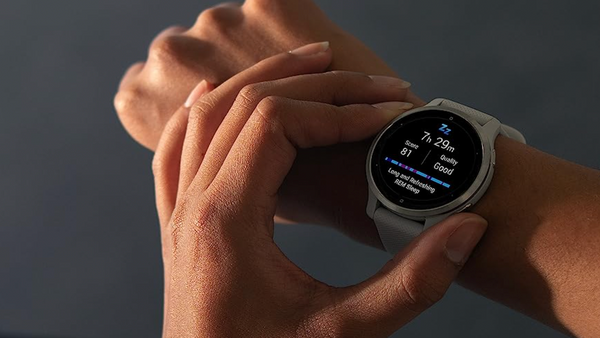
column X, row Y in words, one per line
column 444, row 129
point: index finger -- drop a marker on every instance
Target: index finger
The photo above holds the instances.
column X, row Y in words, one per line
column 265, row 150
column 207, row 114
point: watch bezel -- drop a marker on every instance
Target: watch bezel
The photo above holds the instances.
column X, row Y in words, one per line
column 459, row 201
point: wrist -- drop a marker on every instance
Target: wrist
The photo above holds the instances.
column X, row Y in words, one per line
column 541, row 231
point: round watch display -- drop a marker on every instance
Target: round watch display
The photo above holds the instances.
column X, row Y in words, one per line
column 426, row 159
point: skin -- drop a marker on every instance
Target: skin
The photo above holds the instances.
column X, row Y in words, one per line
column 178, row 59
column 224, row 41
column 539, row 254
column 225, row 277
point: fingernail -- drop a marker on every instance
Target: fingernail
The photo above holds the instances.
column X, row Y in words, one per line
column 312, row 49
column 461, row 242
column 394, row 105
column 202, row 88
column 390, row 81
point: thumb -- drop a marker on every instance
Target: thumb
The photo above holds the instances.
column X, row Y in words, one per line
column 413, row 280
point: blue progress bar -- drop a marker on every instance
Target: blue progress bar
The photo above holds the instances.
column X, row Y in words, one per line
column 412, row 170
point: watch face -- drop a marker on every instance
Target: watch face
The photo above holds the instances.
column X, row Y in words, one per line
column 426, row 159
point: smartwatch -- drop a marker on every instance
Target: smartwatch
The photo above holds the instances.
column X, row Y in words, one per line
column 428, row 164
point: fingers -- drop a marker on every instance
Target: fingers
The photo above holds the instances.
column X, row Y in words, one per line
column 167, row 159
column 166, row 170
column 266, row 147
column 207, row 114
column 165, row 165
column 202, row 88
column 337, row 88
column 414, row 280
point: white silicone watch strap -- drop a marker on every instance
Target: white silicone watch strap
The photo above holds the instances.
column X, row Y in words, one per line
column 483, row 118
column 396, row 231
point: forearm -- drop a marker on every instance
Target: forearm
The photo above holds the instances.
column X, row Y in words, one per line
column 540, row 253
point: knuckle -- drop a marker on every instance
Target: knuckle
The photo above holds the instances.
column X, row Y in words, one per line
column 418, row 291
column 198, row 214
column 200, row 111
column 269, row 109
column 126, row 99
column 345, row 76
column 349, row 73
column 270, row 131
column 340, row 73
column 139, row 117
column 167, row 49
column 210, row 15
column 205, row 211
column 217, row 17
column 345, row 80
column 251, row 95
column 263, row 4
column 128, row 103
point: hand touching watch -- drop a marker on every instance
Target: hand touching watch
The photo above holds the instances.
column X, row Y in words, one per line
column 428, row 164
column 217, row 193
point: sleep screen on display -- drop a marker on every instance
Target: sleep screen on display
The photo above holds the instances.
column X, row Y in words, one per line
column 427, row 159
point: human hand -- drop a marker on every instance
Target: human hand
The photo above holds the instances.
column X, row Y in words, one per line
column 225, row 40
column 224, row 275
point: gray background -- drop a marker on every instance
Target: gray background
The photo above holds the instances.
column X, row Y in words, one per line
column 79, row 241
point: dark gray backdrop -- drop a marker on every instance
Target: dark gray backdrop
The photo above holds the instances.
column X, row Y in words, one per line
column 79, row 241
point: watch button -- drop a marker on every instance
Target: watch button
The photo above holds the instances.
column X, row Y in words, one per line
column 464, row 208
